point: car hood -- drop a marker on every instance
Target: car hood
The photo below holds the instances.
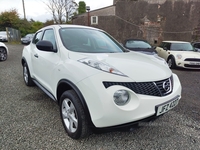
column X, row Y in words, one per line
column 137, row 66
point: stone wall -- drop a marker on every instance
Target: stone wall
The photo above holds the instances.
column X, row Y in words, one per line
column 161, row 19
column 153, row 20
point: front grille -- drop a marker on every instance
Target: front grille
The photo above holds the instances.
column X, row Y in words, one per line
column 156, row 88
column 192, row 66
column 193, row 59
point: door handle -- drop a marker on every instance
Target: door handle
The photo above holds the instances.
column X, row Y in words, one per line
column 36, row 55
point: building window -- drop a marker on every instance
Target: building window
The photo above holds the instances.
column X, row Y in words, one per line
column 94, row 19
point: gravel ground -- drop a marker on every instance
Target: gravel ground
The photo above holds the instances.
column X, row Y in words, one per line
column 30, row 120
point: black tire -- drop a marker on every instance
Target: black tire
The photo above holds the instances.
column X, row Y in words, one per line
column 171, row 63
column 3, row 54
column 26, row 75
column 73, row 115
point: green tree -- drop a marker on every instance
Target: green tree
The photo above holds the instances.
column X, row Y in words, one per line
column 31, row 26
column 9, row 19
column 36, row 26
column 24, row 27
column 81, row 7
column 48, row 22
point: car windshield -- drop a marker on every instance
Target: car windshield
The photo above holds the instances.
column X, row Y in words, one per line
column 181, row 47
column 137, row 44
column 89, row 41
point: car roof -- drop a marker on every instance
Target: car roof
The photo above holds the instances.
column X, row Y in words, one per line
column 175, row 41
column 69, row 26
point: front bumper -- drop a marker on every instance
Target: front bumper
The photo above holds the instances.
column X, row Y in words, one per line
column 103, row 110
column 188, row 64
column 3, row 40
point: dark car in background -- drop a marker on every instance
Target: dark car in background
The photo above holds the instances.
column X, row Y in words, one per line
column 139, row 45
column 196, row 45
column 27, row 39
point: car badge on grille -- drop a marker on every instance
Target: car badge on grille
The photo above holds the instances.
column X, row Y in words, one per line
column 166, row 86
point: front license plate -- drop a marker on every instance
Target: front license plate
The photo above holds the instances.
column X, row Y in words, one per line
column 163, row 108
column 193, row 63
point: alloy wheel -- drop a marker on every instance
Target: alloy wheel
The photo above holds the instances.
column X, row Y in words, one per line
column 169, row 63
column 25, row 74
column 69, row 115
column 3, row 54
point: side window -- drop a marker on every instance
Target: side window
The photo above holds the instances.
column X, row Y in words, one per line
column 37, row 37
column 49, row 36
column 168, row 45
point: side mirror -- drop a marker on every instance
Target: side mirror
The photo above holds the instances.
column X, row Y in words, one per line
column 45, row 46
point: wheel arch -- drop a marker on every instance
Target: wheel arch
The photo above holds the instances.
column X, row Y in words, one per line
column 23, row 61
column 173, row 64
column 171, row 56
column 64, row 85
column 3, row 48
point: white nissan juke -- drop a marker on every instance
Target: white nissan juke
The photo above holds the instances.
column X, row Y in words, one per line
column 95, row 81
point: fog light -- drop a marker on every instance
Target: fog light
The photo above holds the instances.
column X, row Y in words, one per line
column 121, row 97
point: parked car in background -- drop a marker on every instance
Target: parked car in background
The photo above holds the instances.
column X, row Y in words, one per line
column 139, row 45
column 27, row 39
column 3, row 36
column 179, row 54
column 3, row 52
column 196, row 45
column 95, row 81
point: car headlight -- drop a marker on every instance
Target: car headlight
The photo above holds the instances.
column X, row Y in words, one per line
column 179, row 56
column 101, row 66
column 121, row 97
